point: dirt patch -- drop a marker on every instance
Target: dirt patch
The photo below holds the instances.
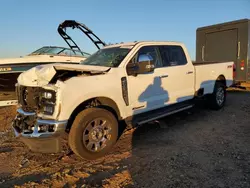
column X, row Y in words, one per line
column 197, row 148
column 7, row 114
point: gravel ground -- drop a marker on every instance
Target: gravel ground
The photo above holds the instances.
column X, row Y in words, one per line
column 196, row 148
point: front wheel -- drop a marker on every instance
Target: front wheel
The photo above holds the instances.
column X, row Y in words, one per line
column 218, row 98
column 93, row 133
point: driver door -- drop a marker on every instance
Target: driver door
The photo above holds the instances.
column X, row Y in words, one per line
column 145, row 90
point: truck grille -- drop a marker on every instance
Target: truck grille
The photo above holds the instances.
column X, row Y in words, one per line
column 28, row 97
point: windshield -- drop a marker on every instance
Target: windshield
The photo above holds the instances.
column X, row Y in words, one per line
column 107, row 57
column 59, row 51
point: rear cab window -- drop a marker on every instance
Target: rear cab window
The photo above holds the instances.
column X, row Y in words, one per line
column 172, row 56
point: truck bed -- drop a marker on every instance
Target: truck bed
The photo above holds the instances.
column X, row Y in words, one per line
column 206, row 73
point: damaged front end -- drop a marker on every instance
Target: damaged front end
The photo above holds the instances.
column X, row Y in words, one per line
column 40, row 135
column 39, row 98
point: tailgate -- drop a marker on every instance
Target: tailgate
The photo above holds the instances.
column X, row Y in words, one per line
column 207, row 73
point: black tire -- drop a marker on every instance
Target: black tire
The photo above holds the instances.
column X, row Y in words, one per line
column 83, row 128
column 214, row 102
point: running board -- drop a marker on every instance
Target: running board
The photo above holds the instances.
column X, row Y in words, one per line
column 8, row 103
column 164, row 115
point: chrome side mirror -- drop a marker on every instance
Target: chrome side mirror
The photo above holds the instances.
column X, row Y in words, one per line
column 146, row 64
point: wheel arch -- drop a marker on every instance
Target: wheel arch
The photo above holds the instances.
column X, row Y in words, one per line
column 102, row 102
column 221, row 78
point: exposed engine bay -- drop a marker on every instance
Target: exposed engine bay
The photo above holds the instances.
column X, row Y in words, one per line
column 43, row 75
column 64, row 75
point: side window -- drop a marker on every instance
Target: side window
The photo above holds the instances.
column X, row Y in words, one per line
column 77, row 53
column 67, row 52
column 172, row 56
column 150, row 50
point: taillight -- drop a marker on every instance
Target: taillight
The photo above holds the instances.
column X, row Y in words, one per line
column 242, row 65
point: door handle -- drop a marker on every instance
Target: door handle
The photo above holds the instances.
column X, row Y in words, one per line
column 190, row 72
column 164, row 76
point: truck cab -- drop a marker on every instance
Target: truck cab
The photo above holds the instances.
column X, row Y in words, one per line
column 132, row 83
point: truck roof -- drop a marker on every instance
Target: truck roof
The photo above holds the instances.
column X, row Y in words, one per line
column 224, row 24
column 132, row 44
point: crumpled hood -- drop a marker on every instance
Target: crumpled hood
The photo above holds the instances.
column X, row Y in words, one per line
column 41, row 75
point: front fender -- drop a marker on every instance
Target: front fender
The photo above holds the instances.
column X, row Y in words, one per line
column 78, row 90
column 68, row 107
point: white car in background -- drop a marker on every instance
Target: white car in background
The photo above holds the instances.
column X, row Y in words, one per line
column 11, row 68
column 48, row 54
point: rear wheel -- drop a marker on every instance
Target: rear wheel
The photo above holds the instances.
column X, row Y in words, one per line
column 93, row 133
column 218, row 98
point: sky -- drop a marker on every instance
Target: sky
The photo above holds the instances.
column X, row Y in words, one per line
column 27, row 25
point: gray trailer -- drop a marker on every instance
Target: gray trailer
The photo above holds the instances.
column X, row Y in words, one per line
column 229, row 41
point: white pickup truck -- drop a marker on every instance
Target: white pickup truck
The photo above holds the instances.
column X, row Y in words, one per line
column 133, row 83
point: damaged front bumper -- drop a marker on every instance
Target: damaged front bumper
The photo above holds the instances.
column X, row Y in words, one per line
column 43, row 136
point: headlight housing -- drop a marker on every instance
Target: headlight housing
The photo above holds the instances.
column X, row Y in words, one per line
column 48, row 109
column 47, row 101
column 47, row 94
